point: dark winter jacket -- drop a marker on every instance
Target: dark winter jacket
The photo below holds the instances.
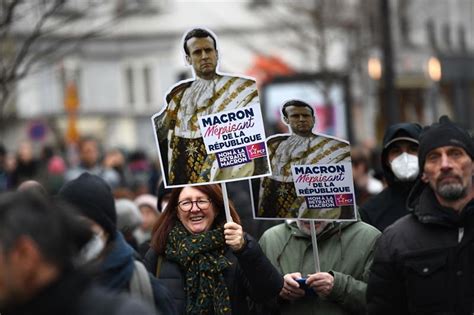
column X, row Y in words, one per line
column 74, row 294
column 117, row 269
column 424, row 262
column 24, row 171
column 250, row 276
column 389, row 205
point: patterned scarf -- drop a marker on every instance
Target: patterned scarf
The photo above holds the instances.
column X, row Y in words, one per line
column 201, row 256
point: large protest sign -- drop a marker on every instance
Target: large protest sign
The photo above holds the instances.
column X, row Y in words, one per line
column 236, row 136
column 311, row 173
column 307, row 193
column 220, row 150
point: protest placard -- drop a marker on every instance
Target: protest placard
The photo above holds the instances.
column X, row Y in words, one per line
column 235, row 136
column 232, row 127
column 324, row 185
column 311, row 172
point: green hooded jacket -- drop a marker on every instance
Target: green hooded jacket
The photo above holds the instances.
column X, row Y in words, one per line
column 345, row 250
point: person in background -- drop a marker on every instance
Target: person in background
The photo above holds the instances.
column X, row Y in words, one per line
column 10, row 166
column 3, row 169
column 345, row 255
column 39, row 242
column 108, row 252
column 147, row 204
column 129, row 219
column 27, row 165
column 89, row 161
column 142, row 173
column 52, row 170
column 210, row 266
column 115, row 159
column 365, row 185
column 155, row 177
column 400, row 165
column 424, row 262
column 33, row 187
column 164, row 195
column 147, row 208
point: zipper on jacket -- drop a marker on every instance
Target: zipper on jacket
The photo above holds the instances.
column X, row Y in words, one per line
column 460, row 234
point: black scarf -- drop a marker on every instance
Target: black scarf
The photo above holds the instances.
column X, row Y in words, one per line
column 201, row 257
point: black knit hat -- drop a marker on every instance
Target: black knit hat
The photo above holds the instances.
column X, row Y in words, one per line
column 91, row 195
column 444, row 133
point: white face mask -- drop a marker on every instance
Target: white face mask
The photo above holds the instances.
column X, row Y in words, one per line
column 91, row 250
column 405, row 167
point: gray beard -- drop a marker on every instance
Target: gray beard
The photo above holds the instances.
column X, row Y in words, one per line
column 451, row 192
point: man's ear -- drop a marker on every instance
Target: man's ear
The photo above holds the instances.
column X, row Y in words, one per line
column 188, row 59
column 26, row 254
column 285, row 119
column 424, row 178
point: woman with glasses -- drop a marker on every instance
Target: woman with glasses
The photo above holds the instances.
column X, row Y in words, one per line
column 209, row 266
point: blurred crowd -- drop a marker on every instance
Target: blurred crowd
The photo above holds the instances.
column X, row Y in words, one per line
column 129, row 174
column 132, row 174
column 133, row 178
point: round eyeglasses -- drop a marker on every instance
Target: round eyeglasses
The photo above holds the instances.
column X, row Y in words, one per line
column 187, row 205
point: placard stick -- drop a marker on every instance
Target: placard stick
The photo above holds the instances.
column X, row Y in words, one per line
column 226, row 203
column 315, row 246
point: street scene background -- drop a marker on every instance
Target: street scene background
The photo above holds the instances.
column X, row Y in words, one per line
column 79, row 68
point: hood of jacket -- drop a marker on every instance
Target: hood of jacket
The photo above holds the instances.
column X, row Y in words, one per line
column 402, row 131
column 331, row 229
column 117, row 267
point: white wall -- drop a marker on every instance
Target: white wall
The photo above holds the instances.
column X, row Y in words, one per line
column 101, row 90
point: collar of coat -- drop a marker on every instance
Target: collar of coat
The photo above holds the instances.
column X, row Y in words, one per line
column 423, row 204
column 330, row 230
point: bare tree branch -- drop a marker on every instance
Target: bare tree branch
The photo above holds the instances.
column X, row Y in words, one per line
column 45, row 41
column 8, row 10
column 34, row 36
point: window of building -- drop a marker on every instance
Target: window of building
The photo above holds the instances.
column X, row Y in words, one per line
column 462, row 38
column 130, row 85
column 147, row 84
column 447, row 35
column 431, row 34
column 139, row 84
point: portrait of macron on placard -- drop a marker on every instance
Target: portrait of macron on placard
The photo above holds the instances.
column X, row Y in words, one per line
column 211, row 129
column 311, row 172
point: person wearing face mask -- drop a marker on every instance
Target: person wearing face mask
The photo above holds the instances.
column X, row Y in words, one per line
column 424, row 262
column 400, row 167
column 345, row 254
column 107, row 253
